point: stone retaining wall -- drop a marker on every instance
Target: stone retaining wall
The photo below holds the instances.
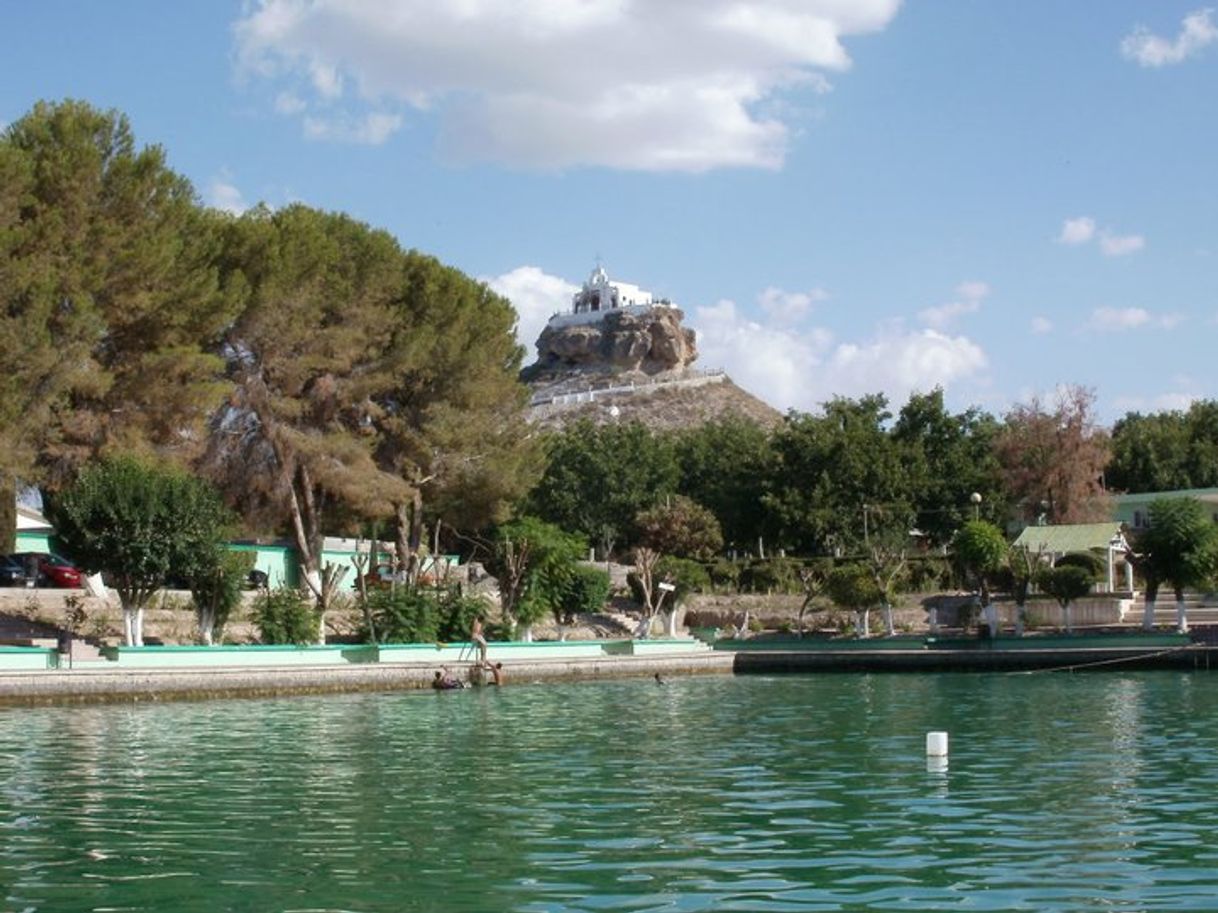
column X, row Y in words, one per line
column 96, row 686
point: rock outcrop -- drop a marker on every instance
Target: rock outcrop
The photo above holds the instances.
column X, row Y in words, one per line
column 651, row 341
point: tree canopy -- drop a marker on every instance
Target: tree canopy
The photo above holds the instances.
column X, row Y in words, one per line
column 1166, row 451
column 113, row 297
column 137, row 523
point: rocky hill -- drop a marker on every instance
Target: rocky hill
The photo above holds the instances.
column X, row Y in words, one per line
column 621, row 355
column 650, row 341
column 669, row 401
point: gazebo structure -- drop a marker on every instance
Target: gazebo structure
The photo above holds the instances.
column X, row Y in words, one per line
column 1107, row 539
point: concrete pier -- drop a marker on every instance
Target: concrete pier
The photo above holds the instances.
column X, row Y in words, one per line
column 102, row 685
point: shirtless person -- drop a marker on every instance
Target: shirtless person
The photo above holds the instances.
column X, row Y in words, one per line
column 479, row 640
column 444, row 681
column 495, row 670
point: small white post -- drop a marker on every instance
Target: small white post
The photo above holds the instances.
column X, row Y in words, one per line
column 936, row 744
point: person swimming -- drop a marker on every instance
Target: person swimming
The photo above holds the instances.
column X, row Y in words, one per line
column 444, row 681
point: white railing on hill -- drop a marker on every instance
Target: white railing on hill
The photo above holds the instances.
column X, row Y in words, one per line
column 650, row 385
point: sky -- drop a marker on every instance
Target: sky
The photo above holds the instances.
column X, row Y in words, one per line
column 843, row 196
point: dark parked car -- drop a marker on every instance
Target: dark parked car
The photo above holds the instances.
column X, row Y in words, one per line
column 50, row 570
column 12, row 571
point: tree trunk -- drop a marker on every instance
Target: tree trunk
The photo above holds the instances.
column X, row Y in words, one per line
column 526, row 634
column 1066, row 612
column 1148, row 610
column 128, row 626
column 1181, row 612
column 206, row 620
column 991, row 618
column 888, row 624
column 137, row 626
column 670, row 622
column 932, row 619
column 408, row 535
column 863, row 623
column 1019, row 618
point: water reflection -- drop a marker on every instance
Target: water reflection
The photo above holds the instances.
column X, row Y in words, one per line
column 790, row 793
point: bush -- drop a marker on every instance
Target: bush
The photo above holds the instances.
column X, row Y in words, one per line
column 928, row 575
column 456, row 614
column 420, row 615
column 725, row 574
column 587, row 591
column 772, row 575
column 688, row 576
column 216, row 587
column 285, row 616
column 1090, row 563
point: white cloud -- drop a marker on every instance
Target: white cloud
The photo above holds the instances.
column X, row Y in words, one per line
column 1161, row 402
column 1114, row 320
column 222, row 193
column 553, row 84
column 1042, row 325
column 370, row 130
column 289, row 103
column 789, row 307
column 802, row 369
column 1120, row 245
column 1077, row 231
column 788, row 367
column 536, row 296
column 1150, row 50
column 969, row 296
column 1082, row 230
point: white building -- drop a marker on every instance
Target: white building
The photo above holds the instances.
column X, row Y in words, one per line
column 600, row 293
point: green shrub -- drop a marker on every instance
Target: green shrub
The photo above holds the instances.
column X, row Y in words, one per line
column 216, row 589
column 587, row 591
column 285, row 616
column 455, row 616
column 404, row 615
column 420, row 615
column 688, row 576
column 725, row 575
column 772, row 575
column 929, row 574
column 1091, row 564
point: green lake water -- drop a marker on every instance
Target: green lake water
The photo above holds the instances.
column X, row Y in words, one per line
column 1063, row 792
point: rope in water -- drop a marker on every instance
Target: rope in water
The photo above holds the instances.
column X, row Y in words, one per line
column 1109, row 662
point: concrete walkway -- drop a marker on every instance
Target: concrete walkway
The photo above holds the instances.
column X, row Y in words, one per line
column 101, row 685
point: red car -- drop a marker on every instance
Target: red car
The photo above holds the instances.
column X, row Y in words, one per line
column 51, row 570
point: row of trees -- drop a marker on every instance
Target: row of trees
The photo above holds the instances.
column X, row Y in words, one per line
column 1178, row 550
column 829, row 483
column 323, row 378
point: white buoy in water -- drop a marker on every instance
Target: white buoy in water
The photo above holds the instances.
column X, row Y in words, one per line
column 936, row 744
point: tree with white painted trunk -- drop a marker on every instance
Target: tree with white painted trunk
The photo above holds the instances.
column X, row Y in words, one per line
column 137, row 522
column 1022, row 564
column 979, row 549
column 853, row 587
column 1180, row 550
column 1066, row 583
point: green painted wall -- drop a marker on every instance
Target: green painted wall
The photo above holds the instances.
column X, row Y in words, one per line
column 33, row 542
column 278, row 562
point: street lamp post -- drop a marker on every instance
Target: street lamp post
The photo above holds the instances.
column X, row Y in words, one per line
column 975, row 498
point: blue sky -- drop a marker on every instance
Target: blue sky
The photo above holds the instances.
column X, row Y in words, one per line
column 845, row 196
